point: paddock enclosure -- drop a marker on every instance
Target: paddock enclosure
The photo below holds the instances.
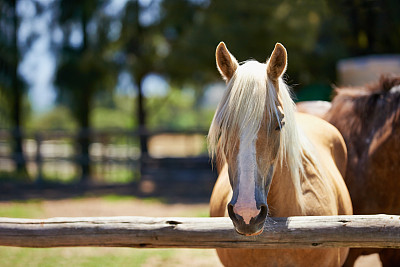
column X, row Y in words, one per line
column 381, row 231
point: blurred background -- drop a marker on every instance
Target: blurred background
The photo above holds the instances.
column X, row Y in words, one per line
column 120, row 92
column 105, row 104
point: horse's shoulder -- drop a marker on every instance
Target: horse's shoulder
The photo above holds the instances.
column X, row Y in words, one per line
column 332, row 154
column 318, row 129
column 325, row 137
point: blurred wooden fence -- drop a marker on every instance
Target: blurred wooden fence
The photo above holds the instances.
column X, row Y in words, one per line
column 112, row 153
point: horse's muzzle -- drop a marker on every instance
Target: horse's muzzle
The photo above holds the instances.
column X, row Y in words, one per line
column 254, row 227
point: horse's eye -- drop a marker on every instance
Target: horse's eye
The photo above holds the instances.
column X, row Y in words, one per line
column 279, row 127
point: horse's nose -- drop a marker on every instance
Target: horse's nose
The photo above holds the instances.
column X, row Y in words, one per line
column 248, row 222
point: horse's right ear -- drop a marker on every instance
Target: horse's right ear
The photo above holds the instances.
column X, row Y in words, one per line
column 277, row 63
column 226, row 62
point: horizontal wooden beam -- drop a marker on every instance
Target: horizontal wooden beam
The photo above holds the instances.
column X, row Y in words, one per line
column 146, row 232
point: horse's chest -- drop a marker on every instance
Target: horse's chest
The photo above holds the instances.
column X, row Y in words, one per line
column 281, row 257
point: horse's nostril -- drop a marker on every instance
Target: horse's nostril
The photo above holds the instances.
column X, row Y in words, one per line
column 257, row 219
column 231, row 213
column 263, row 213
column 247, row 226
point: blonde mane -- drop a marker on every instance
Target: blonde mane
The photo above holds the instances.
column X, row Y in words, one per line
column 251, row 98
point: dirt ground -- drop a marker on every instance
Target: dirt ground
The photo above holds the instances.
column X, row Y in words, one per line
column 135, row 207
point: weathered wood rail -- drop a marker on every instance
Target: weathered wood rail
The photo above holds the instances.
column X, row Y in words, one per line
column 146, row 232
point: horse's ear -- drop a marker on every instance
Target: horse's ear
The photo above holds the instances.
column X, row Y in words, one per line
column 277, row 62
column 226, row 62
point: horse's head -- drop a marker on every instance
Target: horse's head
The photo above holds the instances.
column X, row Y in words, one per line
column 246, row 133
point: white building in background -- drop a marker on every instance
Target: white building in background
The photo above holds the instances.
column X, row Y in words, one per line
column 361, row 70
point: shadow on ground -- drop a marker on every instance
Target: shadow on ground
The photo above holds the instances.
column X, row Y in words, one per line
column 172, row 188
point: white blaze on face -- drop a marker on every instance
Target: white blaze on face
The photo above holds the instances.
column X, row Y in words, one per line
column 246, row 206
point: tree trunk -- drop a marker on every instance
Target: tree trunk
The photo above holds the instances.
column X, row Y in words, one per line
column 84, row 142
column 141, row 115
column 139, row 74
column 143, row 137
column 16, row 106
column 84, row 114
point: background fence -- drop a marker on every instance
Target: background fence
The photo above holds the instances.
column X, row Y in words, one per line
column 54, row 157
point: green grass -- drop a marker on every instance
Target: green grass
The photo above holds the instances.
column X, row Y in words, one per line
column 118, row 198
column 107, row 257
column 202, row 213
column 116, row 174
column 22, row 209
column 96, row 257
column 90, row 257
column 153, row 200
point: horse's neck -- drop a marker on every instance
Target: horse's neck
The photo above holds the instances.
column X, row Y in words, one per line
column 282, row 200
column 317, row 194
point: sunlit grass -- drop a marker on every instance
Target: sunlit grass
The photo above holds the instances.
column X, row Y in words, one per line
column 119, row 198
column 88, row 257
column 22, row 209
column 116, row 174
column 202, row 213
column 49, row 257
column 95, row 257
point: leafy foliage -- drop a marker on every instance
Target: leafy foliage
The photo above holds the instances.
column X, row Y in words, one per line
column 176, row 39
column 84, row 68
column 59, row 118
column 178, row 110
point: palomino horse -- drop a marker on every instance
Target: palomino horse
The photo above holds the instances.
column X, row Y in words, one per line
column 369, row 120
column 272, row 161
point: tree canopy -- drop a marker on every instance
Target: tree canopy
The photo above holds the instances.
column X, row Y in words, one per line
column 176, row 39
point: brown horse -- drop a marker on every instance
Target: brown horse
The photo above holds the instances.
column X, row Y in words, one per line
column 272, row 161
column 369, row 120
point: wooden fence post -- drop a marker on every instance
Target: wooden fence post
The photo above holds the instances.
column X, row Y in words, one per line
column 39, row 158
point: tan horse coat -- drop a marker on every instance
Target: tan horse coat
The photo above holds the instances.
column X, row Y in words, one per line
column 332, row 198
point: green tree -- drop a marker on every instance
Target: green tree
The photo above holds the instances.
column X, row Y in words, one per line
column 138, row 42
column 148, row 36
column 250, row 29
column 11, row 84
column 85, row 66
column 371, row 26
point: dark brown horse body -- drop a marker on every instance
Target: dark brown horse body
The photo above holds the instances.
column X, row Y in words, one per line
column 369, row 120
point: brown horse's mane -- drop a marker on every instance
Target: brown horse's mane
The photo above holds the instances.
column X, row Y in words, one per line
column 374, row 97
column 364, row 112
column 385, row 83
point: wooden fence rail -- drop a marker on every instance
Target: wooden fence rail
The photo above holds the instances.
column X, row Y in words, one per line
column 146, row 232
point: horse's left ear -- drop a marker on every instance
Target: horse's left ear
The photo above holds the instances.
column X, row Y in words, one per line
column 277, row 62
